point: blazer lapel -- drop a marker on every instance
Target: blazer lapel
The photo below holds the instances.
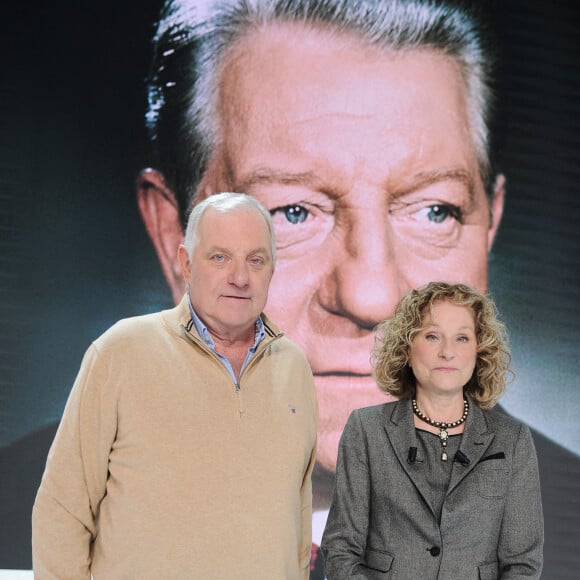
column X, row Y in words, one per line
column 474, row 443
column 400, row 430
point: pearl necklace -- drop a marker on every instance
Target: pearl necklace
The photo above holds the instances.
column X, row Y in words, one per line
column 442, row 425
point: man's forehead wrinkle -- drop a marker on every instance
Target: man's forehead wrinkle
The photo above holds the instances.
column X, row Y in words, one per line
column 339, row 114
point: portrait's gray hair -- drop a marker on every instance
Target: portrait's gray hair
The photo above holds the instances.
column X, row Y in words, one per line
column 193, row 36
column 226, row 202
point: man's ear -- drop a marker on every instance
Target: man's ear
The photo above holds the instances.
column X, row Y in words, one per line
column 158, row 208
column 496, row 209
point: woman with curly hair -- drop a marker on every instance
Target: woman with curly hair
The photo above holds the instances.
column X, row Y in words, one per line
column 437, row 485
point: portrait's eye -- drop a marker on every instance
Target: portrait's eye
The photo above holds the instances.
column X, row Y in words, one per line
column 295, row 214
column 440, row 212
column 219, row 258
column 302, row 221
column 431, row 224
column 431, row 337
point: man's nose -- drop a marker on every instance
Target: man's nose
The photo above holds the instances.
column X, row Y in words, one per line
column 364, row 282
column 239, row 273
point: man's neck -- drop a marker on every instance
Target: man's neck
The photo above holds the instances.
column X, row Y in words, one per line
column 235, row 352
column 228, row 340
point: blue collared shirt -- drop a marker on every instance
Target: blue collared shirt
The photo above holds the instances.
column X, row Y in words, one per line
column 207, row 338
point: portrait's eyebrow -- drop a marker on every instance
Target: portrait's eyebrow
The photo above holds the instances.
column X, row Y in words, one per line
column 426, row 178
column 265, row 176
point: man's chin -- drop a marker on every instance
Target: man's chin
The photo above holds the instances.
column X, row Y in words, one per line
column 336, row 401
column 328, row 450
column 339, row 395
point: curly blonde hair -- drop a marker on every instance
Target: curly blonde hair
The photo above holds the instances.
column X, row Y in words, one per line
column 390, row 355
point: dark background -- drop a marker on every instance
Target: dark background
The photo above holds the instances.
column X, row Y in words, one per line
column 74, row 256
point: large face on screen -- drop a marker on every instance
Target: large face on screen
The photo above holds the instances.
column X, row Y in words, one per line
column 366, row 161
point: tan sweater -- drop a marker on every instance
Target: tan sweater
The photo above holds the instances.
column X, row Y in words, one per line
column 162, row 469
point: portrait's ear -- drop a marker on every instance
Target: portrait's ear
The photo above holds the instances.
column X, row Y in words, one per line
column 158, row 208
column 496, row 209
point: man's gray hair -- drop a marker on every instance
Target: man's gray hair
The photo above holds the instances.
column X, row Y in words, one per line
column 193, row 37
column 226, row 203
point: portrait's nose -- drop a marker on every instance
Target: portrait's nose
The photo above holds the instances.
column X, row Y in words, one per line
column 364, row 283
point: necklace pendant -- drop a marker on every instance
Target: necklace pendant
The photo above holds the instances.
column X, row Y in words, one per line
column 443, row 425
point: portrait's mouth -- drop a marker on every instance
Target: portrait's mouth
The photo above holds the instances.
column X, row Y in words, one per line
column 341, row 373
column 342, row 366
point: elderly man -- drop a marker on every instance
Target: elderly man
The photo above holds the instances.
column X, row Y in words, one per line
column 157, row 469
column 364, row 128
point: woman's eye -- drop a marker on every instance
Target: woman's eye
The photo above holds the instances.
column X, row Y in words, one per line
column 295, row 214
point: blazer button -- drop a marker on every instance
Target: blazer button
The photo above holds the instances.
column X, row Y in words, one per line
column 435, row 551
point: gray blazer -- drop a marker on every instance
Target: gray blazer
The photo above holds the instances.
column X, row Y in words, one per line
column 381, row 522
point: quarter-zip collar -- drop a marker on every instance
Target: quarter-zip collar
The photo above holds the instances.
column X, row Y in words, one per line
column 182, row 321
column 206, row 336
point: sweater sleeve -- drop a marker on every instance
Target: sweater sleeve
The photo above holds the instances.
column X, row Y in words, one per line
column 520, row 545
column 74, row 482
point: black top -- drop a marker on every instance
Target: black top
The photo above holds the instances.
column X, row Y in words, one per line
column 437, row 472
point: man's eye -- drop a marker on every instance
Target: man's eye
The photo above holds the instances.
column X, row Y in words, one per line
column 295, row 214
column 219, row 258
column 439, row 213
